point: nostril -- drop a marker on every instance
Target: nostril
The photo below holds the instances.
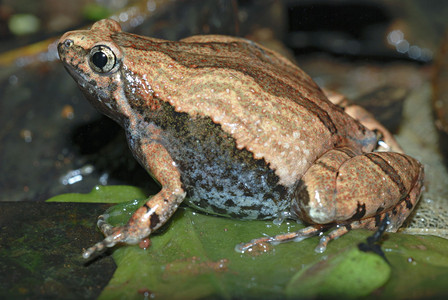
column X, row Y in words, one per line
column 68, row 43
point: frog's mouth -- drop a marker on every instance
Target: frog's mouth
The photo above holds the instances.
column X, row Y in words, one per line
column 66, row 50
column 78, row 77
column 87, row 85
column 96, row 96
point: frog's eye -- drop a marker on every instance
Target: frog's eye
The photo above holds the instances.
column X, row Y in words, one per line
column 102, row 59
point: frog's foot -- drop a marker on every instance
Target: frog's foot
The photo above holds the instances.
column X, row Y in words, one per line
column 124, row 234
column 280, row 238
column 146, row 219
column 298, row 236
column 340, row 230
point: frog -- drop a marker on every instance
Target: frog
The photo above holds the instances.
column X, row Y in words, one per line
column 237, row 130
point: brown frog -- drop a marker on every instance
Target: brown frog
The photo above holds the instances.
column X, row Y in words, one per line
column 237, row 130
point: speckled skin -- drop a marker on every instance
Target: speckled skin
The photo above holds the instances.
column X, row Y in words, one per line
column 240, row 130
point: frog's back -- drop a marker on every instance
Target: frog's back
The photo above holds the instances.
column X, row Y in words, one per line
column 268, row 105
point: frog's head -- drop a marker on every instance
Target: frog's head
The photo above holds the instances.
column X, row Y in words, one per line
column 93, row 59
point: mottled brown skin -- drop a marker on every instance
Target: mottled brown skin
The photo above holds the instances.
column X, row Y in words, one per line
column 241, row 131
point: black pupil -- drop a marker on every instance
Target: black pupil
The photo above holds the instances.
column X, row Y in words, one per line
column 99, row 59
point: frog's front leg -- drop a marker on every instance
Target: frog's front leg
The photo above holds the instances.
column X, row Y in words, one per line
column 156, row 211
column 353, row 191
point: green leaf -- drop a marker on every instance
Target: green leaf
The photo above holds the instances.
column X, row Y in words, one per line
column 347, row 275
column 95, row 12
column 103, row 194
column 193, row 256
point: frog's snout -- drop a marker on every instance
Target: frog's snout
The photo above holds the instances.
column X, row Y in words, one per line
column 64, row 45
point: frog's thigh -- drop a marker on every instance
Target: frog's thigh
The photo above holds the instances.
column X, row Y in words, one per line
column 369, row 121
column 342, row 186
column 365, row 118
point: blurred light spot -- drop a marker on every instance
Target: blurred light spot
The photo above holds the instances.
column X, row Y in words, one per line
column 13, row 80
column 77, row 175
column 22, row 24
column 123, row 17
column 415, row 52
column 136, row 21
column 68, row 112
column 402, row 46
column 426, row 54
column 104, row 178
column 151, row 5
column 396, row 38
column 26, row 135
column 74, row 179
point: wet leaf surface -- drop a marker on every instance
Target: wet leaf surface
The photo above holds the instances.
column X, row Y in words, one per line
column 193, row 256
column 348, row 274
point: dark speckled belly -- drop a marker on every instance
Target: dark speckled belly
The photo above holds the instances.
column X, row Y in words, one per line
column 219, row 178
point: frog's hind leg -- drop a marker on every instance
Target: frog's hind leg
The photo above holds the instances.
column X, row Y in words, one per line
column 356, row 191
column 386, row 141
column 350, row 191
